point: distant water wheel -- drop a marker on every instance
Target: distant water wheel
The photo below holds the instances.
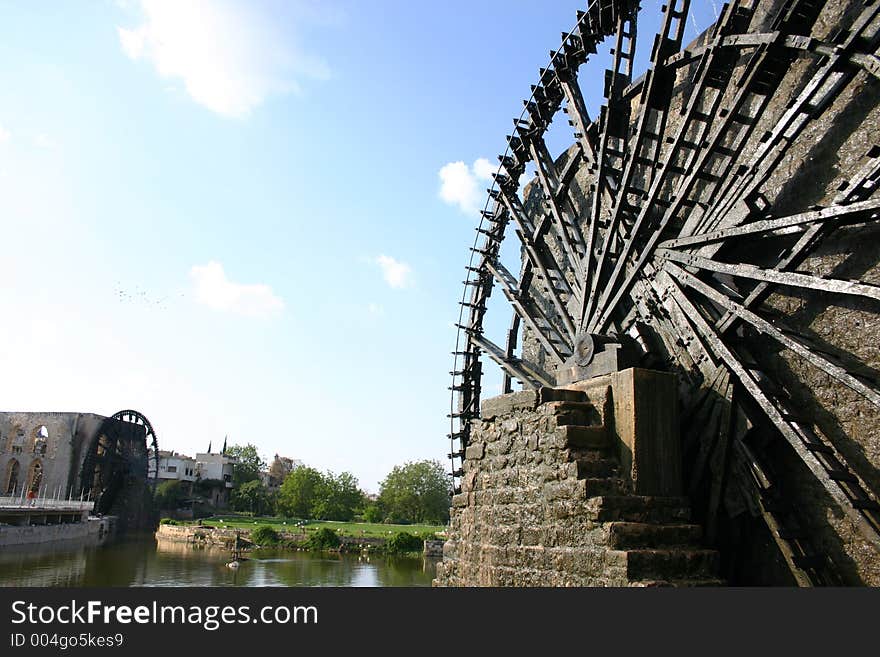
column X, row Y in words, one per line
column 718, row 220
column 135, row 417
column 114, row 461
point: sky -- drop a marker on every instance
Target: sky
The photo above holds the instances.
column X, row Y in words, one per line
column 252, row 218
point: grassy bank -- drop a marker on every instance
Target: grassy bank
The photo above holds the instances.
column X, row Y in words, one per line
column 356, row 529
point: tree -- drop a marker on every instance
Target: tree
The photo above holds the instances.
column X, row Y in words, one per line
column 337, row 497
column 249, row 465
column 307, row 493
column 298, row 493
column 374, row 512
column 416, row 492
column 252, row 497
column 169, row 495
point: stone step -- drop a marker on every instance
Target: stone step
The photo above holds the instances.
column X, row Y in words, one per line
column 639, row 508
column 572, row 405
column 603, row 486
column 628, row 535
column 583, row 408
column 674, row 564
column 583, row 417
column 678, row 583
column 597, row 467
column 545, row 395
column 584, row 437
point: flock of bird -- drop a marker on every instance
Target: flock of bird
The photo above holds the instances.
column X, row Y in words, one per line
column 141, row 297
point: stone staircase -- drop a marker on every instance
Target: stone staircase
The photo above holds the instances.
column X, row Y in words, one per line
column 651, row 537
column 545, row 501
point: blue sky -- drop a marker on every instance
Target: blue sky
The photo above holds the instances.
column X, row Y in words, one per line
column 252, row 218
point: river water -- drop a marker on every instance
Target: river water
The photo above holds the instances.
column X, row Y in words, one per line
column 147, row 562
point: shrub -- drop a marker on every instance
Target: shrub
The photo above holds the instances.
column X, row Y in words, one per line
column 374, row 513
column 404, row 542
column 168, row 521
column 169, row 495
column 252, row 497
column 265, row 535
column 323, row 539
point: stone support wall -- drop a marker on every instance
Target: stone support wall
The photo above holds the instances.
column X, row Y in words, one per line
column 92, row 530
column 544, row 502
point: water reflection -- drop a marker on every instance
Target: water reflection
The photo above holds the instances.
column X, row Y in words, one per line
column 147, row 562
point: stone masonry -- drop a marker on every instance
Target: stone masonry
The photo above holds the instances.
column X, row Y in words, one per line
column 47, row 453
column 544, row 502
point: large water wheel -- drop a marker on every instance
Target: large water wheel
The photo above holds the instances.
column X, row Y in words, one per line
column 716, row 219
column 115, row 466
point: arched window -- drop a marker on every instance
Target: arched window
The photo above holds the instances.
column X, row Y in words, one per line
column 35, row 476
column 40, row 440
column 11, row 480
column 16, row 440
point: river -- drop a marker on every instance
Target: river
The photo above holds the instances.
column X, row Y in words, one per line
column 145, row 561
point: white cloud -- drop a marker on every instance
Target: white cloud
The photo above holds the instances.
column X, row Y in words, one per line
column 213, row 289
column 4, row 134
column 459, row 184
column 44, row 141
column 132, row 41
column 229, row 58
column 397, row 274
column 375, row 309
column 483, row 169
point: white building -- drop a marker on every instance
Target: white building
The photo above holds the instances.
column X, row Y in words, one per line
column 215, row 466
column 173, row 466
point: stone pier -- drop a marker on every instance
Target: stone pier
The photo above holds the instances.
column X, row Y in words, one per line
column 50, row 521
column 576, row 487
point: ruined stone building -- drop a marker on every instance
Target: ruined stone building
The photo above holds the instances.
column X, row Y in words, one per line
column 691, row 374
column 72, row 455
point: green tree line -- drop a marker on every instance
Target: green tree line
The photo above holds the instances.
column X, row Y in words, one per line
column 415, row 492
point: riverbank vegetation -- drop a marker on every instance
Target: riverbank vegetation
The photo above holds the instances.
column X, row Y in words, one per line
column 319, row 536
column 289, row 524
column 412, row 493
column 306, row 509
column 325, row 539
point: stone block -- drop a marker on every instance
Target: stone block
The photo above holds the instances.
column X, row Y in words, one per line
column 671, row 564
column 505, row 404
column 559, row 394
column 569, row 490
column 641, row 415
column 460, row 500
column 583, row 437
column 510, row 426
column 625, row 535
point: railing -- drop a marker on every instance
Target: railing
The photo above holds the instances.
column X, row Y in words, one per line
column 40, row 503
